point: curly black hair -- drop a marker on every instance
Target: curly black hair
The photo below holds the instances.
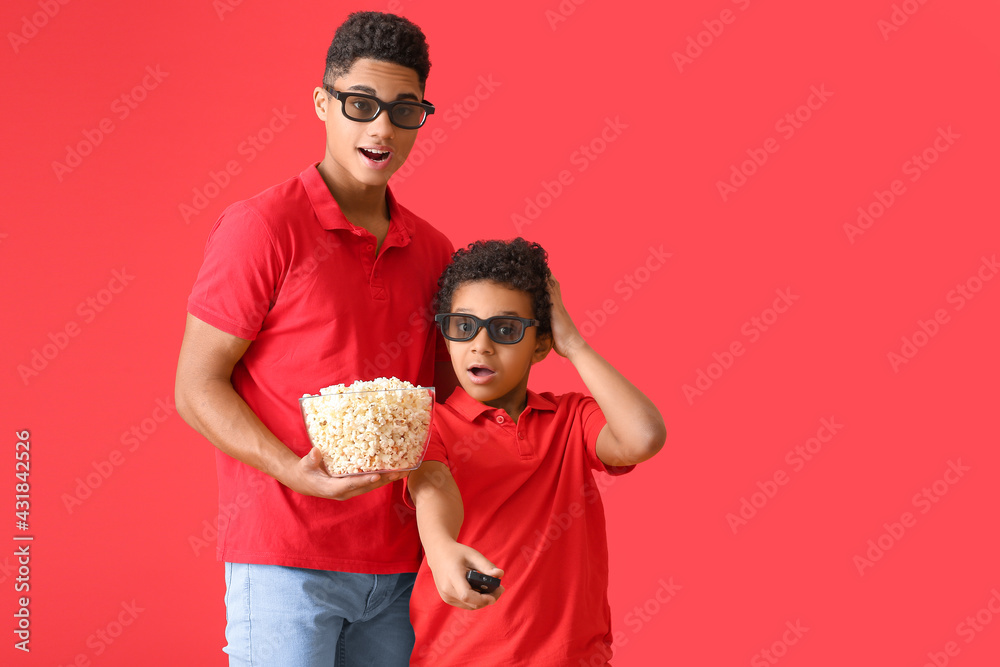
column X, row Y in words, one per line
column 378, row 36
column 516, row 264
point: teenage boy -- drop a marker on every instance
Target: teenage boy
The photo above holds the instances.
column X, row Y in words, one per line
column 524, row 465
column 322, row 279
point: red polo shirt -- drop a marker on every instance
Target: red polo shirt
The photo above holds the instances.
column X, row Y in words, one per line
column 533, row 507
column 286, row 270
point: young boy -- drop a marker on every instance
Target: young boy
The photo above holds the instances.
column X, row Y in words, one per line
column 523, row 464
column 309, row 284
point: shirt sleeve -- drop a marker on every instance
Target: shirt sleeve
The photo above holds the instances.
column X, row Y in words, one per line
column 239, row 278
column 593, row 421
column 435, row 452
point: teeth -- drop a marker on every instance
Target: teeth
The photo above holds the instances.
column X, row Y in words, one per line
column 378, row 152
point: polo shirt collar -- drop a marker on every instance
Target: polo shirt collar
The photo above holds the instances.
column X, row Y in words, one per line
column 470, row 408
column 331, row 217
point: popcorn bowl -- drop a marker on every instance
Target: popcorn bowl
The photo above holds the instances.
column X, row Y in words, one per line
column 361, row 430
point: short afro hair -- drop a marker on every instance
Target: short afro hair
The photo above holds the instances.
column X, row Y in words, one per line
column 516, row 264
column 378, row 36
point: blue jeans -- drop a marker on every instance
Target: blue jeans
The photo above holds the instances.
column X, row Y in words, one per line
column 277, row 616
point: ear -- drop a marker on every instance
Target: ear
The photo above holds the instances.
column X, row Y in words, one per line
column 321, row 102
column 543, row 345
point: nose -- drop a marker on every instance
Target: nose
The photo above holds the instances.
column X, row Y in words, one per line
column 482, row 342
column 382, row 127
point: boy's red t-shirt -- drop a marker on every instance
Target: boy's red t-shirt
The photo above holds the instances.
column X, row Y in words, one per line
column 286, row 270
column 533, row 507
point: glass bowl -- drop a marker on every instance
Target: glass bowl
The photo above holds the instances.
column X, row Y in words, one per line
column 369, row 431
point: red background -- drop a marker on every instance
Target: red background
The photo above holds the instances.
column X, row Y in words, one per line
column 655, row 185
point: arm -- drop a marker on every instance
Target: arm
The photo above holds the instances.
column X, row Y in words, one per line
column 207, row 401
column 439, row 518
column 635, row 430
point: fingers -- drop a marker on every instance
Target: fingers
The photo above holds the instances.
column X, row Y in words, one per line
column 318, row 481
column 486, row 599
column 477, row 561
column 553, row 287
column 314, row 461
column 492, row 598
column 344, row 488
column 472, row 600
column 450, row 568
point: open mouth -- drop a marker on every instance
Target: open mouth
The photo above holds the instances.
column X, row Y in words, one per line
column 375, row 155
column 481, row 371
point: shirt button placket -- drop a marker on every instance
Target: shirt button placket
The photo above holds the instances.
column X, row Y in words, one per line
column 523, row 446
column 374, row 281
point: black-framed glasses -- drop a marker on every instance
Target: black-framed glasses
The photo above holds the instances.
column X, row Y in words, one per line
column 363, row 108
column 502, row 329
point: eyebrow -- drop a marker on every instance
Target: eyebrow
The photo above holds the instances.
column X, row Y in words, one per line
column 362, row 88
column 500, row 314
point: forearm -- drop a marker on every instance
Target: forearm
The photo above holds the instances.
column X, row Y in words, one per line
column 213, row 408
column 439, row 506
column 635, row 429
column 438, row 523
column 439, row 518
column 208, row 402
column 632, row 417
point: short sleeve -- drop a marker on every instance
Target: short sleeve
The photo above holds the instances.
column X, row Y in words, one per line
column 435, row 448
column 435, row 452
column 239, row 277
column 593, row 421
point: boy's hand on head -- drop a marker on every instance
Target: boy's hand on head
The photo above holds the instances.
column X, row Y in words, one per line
column 566, row 338
column 311, row 478
column 449, row 564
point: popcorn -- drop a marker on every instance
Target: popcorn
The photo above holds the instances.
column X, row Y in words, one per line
column 369, row 426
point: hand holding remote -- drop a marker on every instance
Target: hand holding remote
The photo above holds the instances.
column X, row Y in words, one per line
column 482, row 582
column 453, row 564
